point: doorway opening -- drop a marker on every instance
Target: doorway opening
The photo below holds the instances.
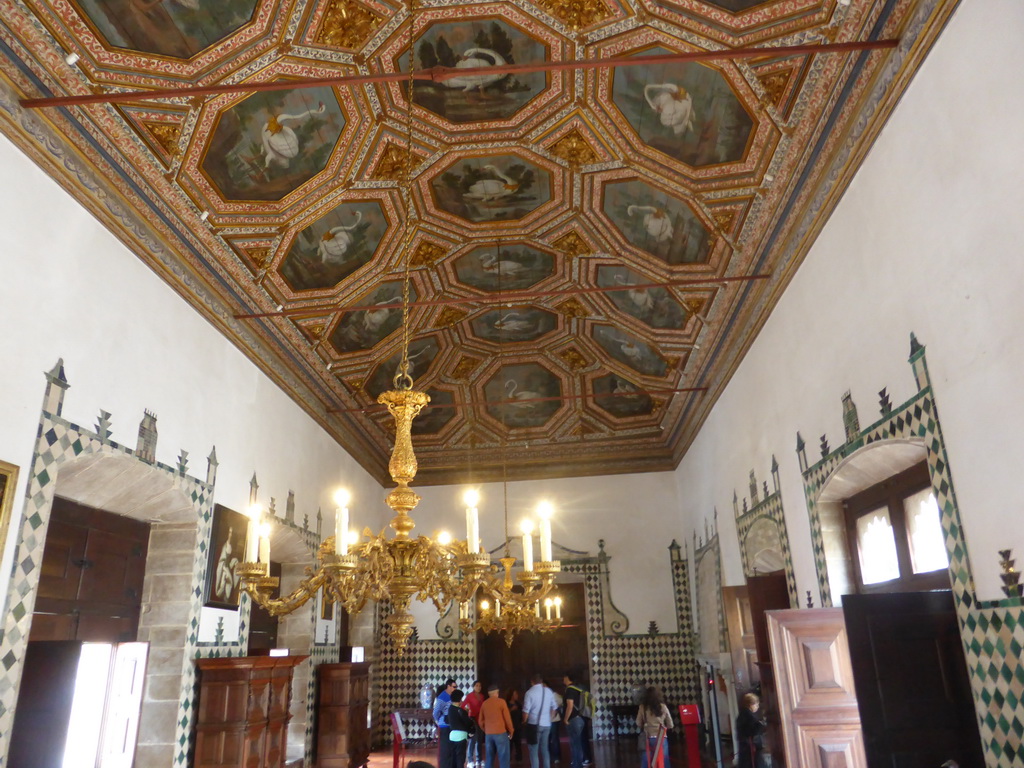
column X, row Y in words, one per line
column 83, row 672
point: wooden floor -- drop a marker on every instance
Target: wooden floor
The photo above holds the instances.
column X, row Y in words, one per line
column 607, row 754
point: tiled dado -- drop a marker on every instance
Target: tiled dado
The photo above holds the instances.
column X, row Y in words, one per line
column 993, row 632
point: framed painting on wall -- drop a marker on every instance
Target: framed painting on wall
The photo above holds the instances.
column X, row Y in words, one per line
column 326, row 607
column 227, row 550
column 8, row 486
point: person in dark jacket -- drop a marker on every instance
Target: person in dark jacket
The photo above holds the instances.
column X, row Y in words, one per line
column 749, row 733
column 462, row 727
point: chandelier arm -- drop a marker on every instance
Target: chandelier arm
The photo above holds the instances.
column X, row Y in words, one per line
column 259, row 589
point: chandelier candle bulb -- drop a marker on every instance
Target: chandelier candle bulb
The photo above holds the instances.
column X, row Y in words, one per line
column 558, row 608
column 497, row 609
column 527, row 545
column 265, row 543
column 536, row 609
column 472, row 523
column 547, row 609
column 341, row 498
column 341, row 530
column 544, row 512
column 252, row 537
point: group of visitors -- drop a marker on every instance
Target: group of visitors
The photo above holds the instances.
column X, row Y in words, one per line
column 486, row 729
column 482, row 732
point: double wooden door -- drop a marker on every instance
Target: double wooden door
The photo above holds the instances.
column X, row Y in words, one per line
column 90, row 584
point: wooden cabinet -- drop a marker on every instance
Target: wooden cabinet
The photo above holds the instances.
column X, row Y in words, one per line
column 243, row 711
column 343, row 738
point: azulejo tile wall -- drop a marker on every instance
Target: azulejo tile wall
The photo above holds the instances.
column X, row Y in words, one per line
column 768, row 508
column 992, row 632
column 618, row 661
column 60, row 442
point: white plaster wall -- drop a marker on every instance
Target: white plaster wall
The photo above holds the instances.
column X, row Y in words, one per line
column 637, row 516
column 70, row 289
column 927, row 239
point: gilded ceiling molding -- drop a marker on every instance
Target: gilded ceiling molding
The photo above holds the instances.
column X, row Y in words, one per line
column 347, row 24
column 427, row 254
column 574, row 149
column 775, row 84
column 572, row 245
column 395, row 163
column 450, row 316
column 465, row 367
column 572, row 308
column 574, row 359
column 164, row 134
column 576, row 14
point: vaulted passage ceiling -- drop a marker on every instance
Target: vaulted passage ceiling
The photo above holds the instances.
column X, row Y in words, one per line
column 592, row 251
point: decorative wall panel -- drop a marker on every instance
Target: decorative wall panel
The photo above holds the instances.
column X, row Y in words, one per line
column 992, row 631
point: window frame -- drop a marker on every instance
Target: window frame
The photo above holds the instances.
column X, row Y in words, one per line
column 892, row 493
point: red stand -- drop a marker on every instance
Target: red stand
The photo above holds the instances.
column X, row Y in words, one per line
column 689, row 718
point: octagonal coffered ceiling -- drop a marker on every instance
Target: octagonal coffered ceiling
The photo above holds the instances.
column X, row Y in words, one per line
column 605, row 198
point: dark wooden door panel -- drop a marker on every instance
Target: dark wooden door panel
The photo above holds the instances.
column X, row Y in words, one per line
column 44, row 704
column 912, row 686
column 63, row 557
column 92, row 574
column 768, row 593
column 116, row 565
column 551, row 654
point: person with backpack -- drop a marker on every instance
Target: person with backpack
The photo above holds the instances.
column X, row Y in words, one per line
column 573, row 719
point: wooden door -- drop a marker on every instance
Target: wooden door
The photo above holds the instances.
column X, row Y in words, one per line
column 768, row 593
column 814, row 678
column 43, row 711
column 90, row 586
column 550, row 654
column 914, row 694
column 740, row 623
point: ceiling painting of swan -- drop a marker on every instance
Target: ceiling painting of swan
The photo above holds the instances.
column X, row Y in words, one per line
column 176, row 28
column 621, row 397
column 494, row 188
column 365, row 328
column 477, row 97
column 656, row 222
column 511, row 324
column 270, row 144
column 655, row 307
column 516, row 395
column 630, row 350
column 685, row 110
column 333, row 247
column 504, row 267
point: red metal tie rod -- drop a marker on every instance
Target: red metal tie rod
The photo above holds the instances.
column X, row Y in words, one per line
column 519, row 297
column 436, row 74
column 462, row 403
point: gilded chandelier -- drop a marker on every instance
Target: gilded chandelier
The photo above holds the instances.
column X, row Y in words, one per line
column 374, row 567
column 401, row 568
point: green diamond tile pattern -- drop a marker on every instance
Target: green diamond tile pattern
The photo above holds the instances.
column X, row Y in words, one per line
column 617, row 660
column 992, row 635
column 713, row 549
column 769, row 508
column 60, row 441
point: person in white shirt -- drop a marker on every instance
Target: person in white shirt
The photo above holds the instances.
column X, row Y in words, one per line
column 539, row 710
